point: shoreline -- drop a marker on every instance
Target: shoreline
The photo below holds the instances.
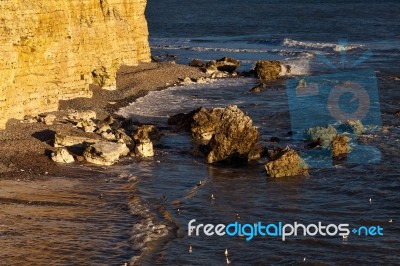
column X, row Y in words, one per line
column 26, row 147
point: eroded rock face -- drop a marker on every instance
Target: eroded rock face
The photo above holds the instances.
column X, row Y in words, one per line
column 53, row 50
column 270, row 70
column 205, row 123
column 286, row 162
column 235, row 137
column 105, row 153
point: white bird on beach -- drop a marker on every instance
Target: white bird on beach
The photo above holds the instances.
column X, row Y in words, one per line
column 304, row 259
column 345, row 237
column 190, row 249
column 228, row 261
column 226, row 252
column 391, row 220
column 370, row 200
column 212, row 197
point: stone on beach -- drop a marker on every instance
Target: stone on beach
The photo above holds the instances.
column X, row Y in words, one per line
column 270, row 70
column 82, row 115
column 285, row 163
column 61, row 155
column 62, row 140
column 105, row 153
column 47, row 119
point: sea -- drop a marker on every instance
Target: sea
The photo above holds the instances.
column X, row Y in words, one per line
column 317, row 39
column 151, row 201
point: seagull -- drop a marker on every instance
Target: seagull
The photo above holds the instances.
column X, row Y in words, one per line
column 212, row 197
column 178, row 211
column 228, row 261
column 345, row 237
column 190, row 249
column 199, row 184
column 304, row 259
column 391, row 220
column 226, row 252
column 101, row 196
column 370, row 200
column 237, row 216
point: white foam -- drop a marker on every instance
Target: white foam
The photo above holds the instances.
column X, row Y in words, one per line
column 320, row 45
column 161, row 104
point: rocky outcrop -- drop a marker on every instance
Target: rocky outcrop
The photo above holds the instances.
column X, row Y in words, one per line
column 144, row 137
column 53, row 50
column 340, row 146
column 271, row 70
column 105, row 153
column 286, row 162
column 226, row 64
column 226, row 134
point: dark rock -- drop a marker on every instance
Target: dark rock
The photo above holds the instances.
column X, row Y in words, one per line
column 197, row 63
column 183, row 122
column 224, row 64
column 286, row 163
column 259, row 87
column 274, row 139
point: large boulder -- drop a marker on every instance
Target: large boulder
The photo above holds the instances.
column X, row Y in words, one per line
column 226, row 64
column 286, row 162
column 270, row 70
column 235, row 137
column 105, row 153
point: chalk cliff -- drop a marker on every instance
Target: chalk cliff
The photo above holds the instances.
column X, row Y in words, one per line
column 53, row 49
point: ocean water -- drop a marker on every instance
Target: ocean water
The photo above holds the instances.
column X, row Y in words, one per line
column 300, row 34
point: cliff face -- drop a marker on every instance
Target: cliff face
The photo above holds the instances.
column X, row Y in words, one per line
column 52, row 50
